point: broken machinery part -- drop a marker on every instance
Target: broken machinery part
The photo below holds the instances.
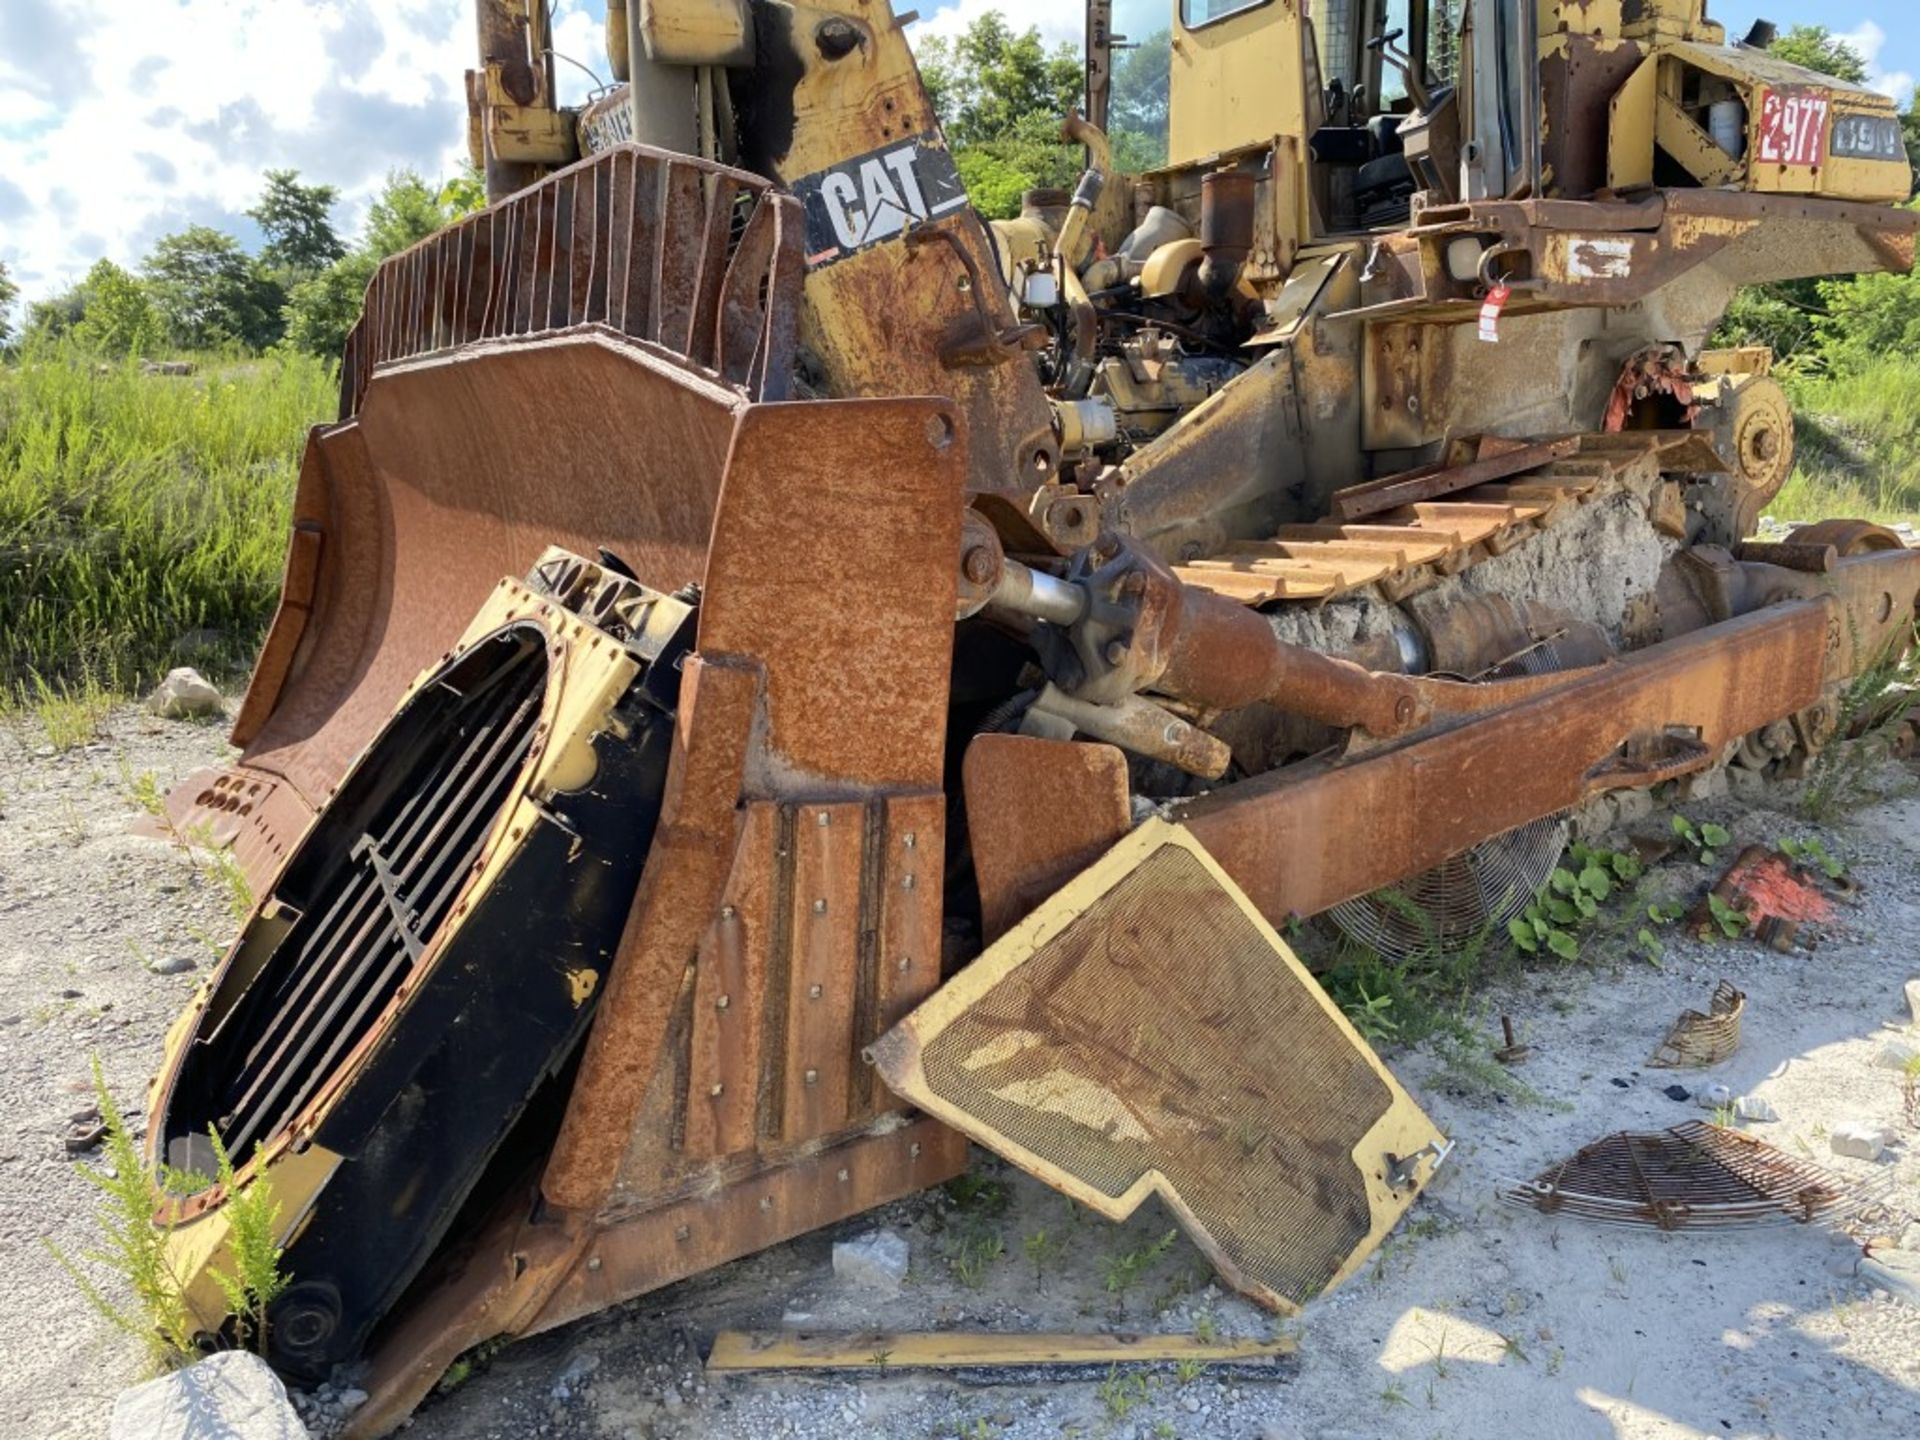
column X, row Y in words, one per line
column 1698, row 1040
column 430, row 956
column 1695, row 1176
column 1775, row 893
column 1086, row 1046
column 1510, row 1052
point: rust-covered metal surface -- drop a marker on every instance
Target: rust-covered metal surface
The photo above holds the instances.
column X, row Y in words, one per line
column 701, row 260
column 1089, row 1047
column 515, row 381
column 868, row 553
column 1038, row 812
column 1305, row 838
column 789, row 911
column 1695, row 1176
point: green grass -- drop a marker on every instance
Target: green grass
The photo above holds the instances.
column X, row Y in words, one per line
column 1857, row 445
column 137, row 509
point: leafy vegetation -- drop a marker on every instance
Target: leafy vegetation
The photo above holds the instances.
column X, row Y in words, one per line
column 134, row 1247
column 1571, row 899
column 1122, row 1271
column 1703, row 842
column 1870, row 704
column 198, row 289
column 1857, row 434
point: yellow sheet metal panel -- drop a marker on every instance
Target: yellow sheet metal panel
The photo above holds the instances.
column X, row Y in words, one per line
column 1235, row 81
column 1630, row 129
column 1686, row 142
column 696, row 32
column 1147, row 1032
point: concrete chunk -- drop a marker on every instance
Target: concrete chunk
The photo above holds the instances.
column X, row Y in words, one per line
column 876, row 1260
column 1859, row 1140
column 184, row 695
column 1913, row 1000
column 228, row 1396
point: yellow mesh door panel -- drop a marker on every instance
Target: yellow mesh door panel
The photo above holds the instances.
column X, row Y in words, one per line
column 1145, row 1030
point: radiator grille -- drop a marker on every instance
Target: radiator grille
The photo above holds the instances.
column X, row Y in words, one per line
column 698, row 259
column 447, row 772
column 1160, row 1031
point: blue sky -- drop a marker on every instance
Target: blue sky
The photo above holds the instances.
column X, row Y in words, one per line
column 124, row 121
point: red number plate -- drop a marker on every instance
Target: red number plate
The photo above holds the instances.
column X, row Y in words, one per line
column 1793, row 127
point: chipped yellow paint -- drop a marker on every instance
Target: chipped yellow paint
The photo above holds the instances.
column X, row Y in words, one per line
column 583, row 982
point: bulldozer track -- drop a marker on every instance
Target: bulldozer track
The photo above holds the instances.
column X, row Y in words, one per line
column 1407, row 549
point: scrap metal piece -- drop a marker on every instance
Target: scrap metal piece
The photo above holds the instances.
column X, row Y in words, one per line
column 1511, row 1052
column 1038, row 813
column 735, row 1350
column 1776, row 895
column 1698, row 1040
column 1695, row 1176
column 1144, row 1032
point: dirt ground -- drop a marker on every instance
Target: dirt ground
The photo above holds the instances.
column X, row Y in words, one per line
column 1477, row 1319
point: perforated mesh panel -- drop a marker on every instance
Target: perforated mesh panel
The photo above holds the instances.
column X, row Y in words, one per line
column 1162, row 1031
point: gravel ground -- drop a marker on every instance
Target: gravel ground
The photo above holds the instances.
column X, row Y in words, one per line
column 1475, row 1320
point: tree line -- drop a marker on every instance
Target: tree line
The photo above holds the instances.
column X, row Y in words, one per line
column 199, row 288
column 999, row 94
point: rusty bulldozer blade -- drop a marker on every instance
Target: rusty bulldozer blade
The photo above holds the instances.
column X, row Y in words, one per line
column 491, row 407
column 592, row 880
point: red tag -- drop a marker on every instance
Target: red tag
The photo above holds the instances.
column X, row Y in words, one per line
column 1490, row 309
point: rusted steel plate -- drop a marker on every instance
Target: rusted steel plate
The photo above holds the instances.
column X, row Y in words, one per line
column 1307, row 838
column 1088, row 1047
column 826, row 905
column 902, row 966
column 1038, row 812
column 729, row 1000
column 749, row 1210
column 833, row 563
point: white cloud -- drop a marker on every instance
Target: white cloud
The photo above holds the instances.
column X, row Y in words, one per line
column 125, row 122
column 1868, row 40
column 1056, row 22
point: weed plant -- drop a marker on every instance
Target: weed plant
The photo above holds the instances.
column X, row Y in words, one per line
column 139, row 509
column 133, row 1245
